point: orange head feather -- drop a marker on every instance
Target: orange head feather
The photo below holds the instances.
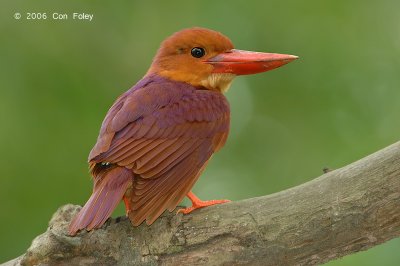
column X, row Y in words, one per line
column 206, row 59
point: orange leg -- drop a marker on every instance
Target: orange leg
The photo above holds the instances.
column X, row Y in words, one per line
column 127, row 205
column 198, row 203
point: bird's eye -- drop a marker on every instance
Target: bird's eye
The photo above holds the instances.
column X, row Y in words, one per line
column 197, row 52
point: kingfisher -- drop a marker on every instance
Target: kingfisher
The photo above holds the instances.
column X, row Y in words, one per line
column 157, row 137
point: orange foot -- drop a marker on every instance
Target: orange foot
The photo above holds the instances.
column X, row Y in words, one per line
column 127, row 205
column 198, row 203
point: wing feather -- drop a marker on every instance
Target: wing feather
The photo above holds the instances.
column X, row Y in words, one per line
column 165, row 132
column 153, row 169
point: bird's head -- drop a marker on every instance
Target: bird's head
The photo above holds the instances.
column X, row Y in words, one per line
column 206, row 59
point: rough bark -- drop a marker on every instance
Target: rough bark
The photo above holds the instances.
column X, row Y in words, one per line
column 339, row 213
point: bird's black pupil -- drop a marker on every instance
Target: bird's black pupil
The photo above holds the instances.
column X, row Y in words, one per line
column 197, row 52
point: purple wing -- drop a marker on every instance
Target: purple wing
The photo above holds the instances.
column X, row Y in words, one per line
column 165, row 132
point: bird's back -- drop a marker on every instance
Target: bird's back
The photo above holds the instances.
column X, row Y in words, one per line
column 164, row 132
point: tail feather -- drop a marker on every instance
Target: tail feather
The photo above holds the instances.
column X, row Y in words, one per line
column 109, row 188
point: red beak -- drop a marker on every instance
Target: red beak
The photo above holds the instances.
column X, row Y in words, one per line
column 241, row 62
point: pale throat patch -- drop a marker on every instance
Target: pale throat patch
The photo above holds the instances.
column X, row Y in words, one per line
column 219, row 81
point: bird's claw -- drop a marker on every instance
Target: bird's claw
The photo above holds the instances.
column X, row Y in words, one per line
column 201, row 204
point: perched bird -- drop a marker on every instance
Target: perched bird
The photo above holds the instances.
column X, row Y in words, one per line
column 158, row 137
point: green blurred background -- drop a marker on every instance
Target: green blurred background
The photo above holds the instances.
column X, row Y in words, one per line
column 337, row 104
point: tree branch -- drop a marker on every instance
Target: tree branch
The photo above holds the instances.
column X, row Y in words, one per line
column 339, row 213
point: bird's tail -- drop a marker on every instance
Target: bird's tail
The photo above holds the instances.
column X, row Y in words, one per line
column 109, row 188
